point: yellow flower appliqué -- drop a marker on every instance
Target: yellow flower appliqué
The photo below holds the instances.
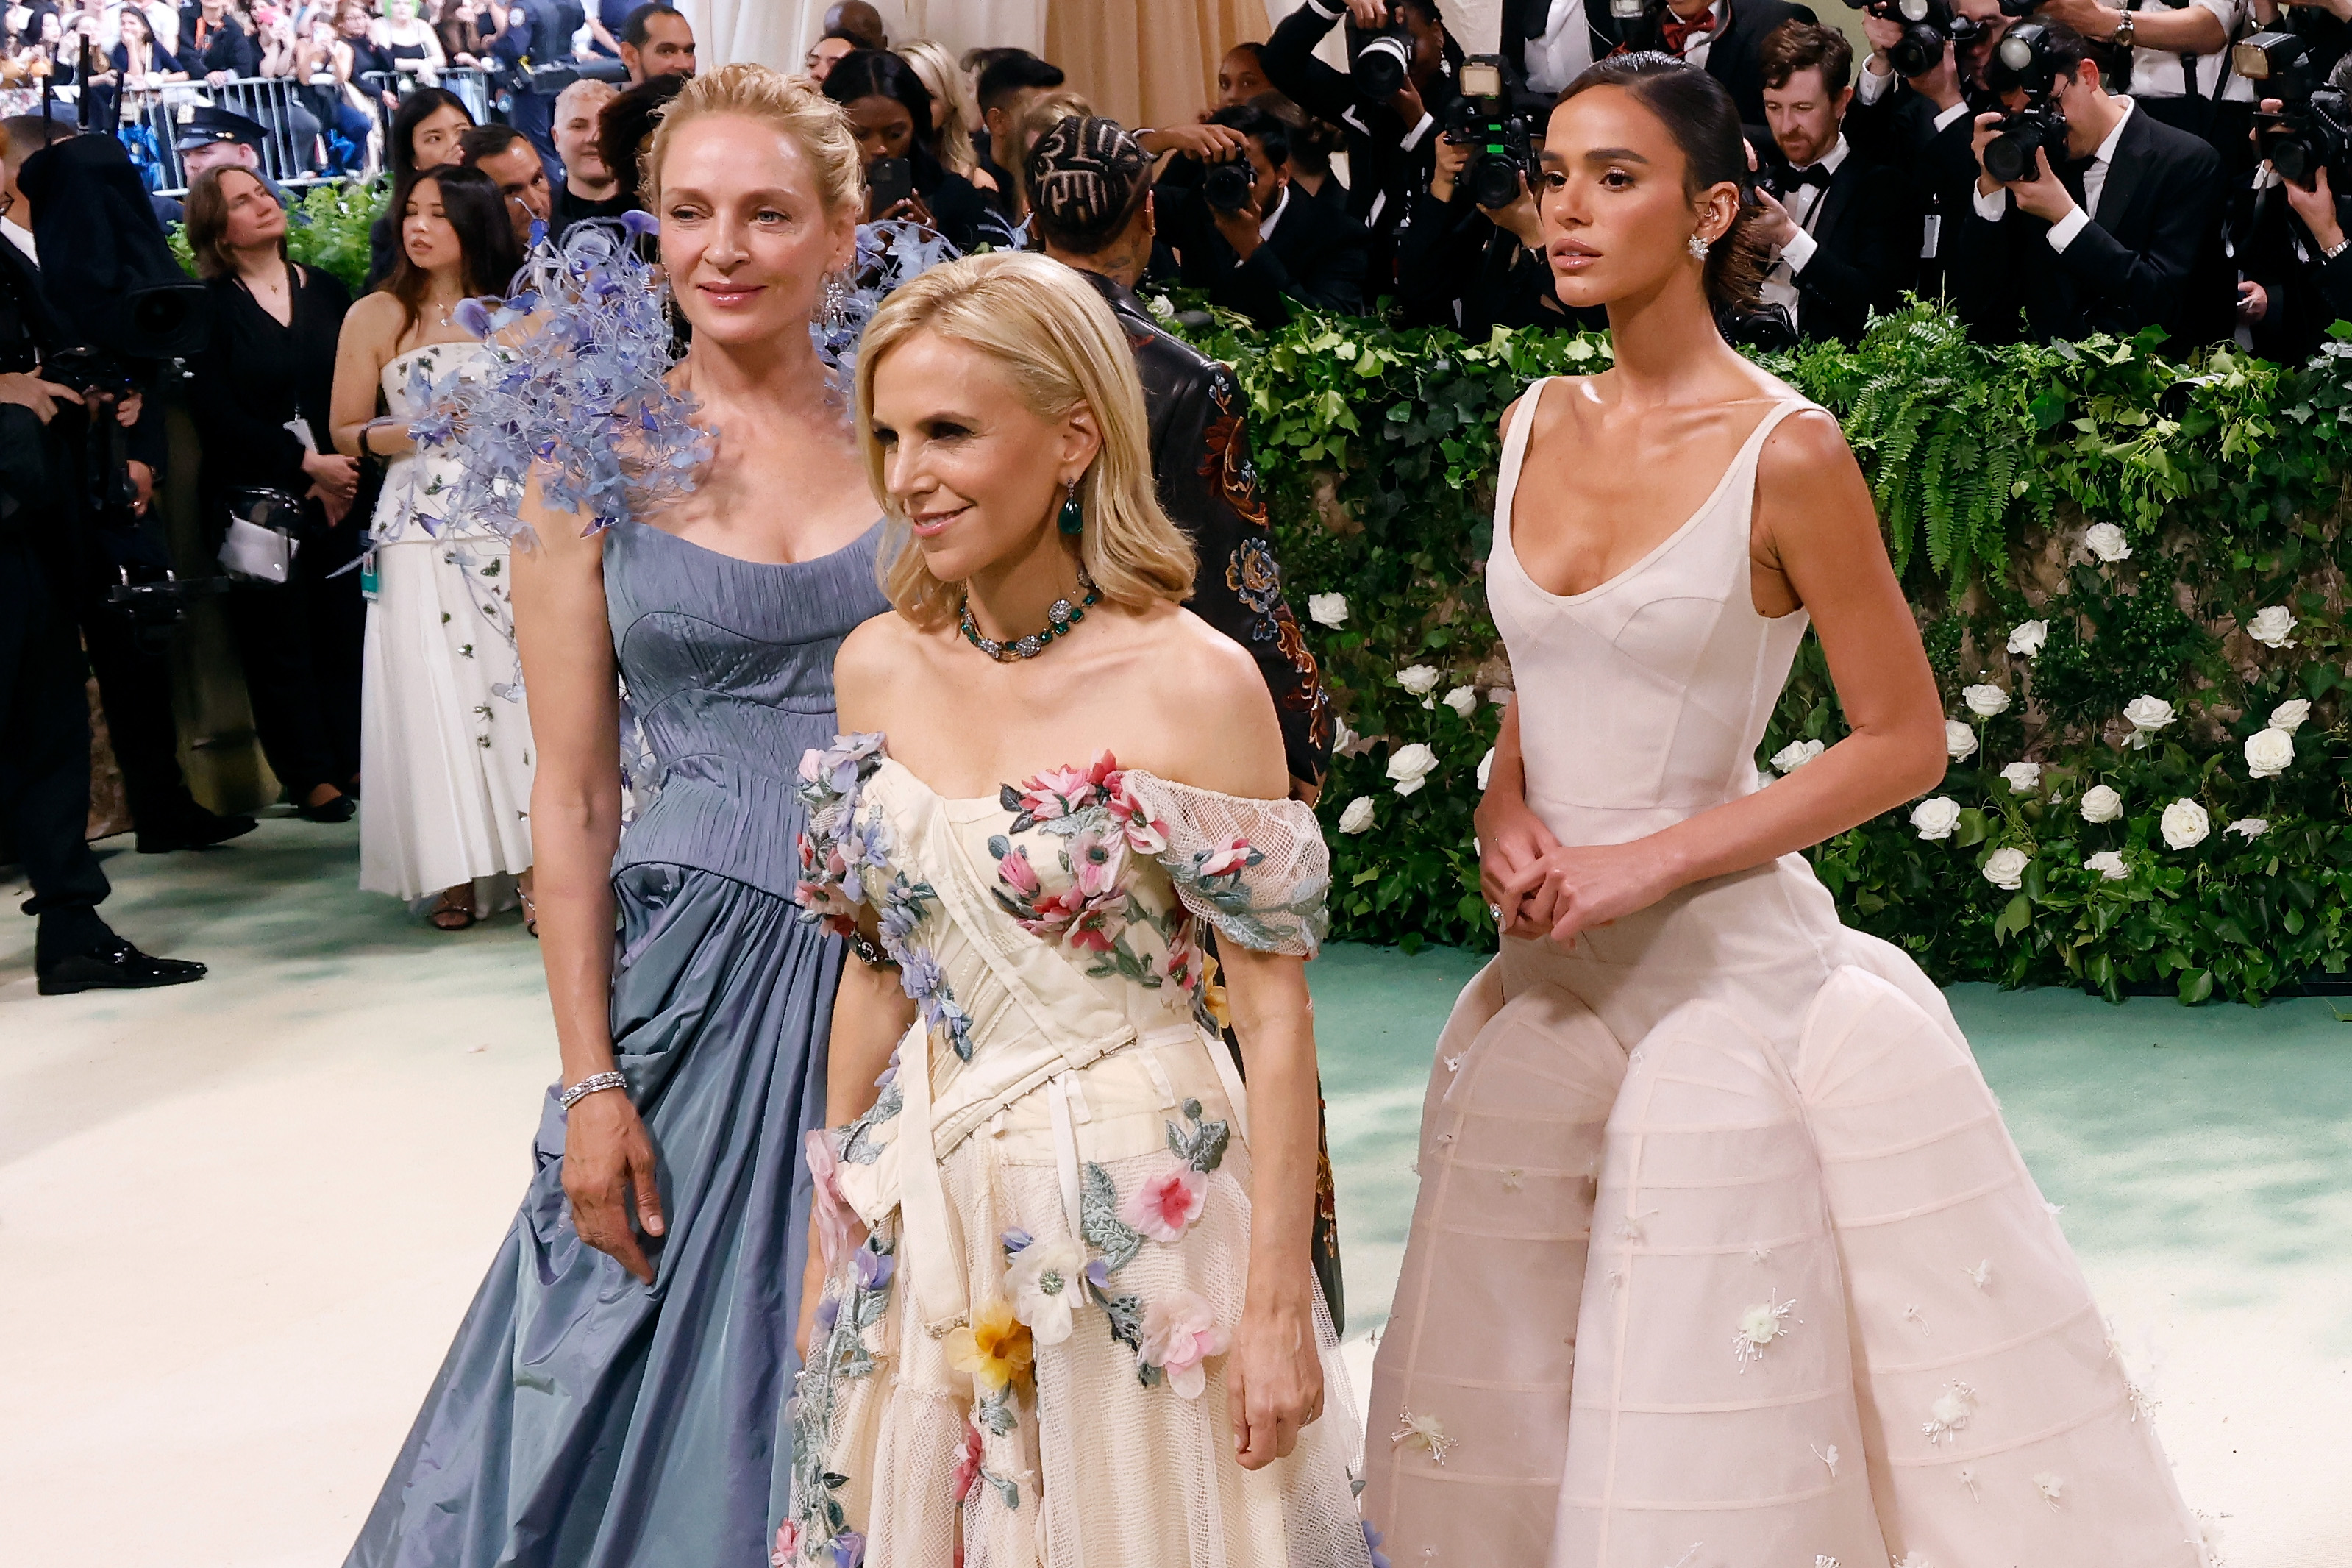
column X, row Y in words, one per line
column 995, row 1350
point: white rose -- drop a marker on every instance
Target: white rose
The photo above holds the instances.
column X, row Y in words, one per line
column 1328, row 609
column 1163, row 307
column 1421, row 679
column 1796, row 754
column 1959, row 740
column 2005, row 870
column 2101, row 804
column 2023, row 778
column 2270, row 625
column 2106, row 542
column 2185, row 824
column 2290, row 714
column 2249, row 828
column 2149, row 713
column 2027, row 637
column 1486, row 768
column 1341, row 736
column 1463, row 699
column 1985, row 701
column 1936, row 816
column 2269, row 752
column 2108, row 863
column 1410, row 767
column 1358, row 817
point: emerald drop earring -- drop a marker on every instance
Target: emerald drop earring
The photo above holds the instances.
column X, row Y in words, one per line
column 1074, row 516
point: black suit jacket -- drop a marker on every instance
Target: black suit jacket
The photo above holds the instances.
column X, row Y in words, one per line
column 1315, row 257
column 1938, row 169
column 1735, row 58
column 2152, row 257
column 1866, row 231
column 1382, row 175
column 1201, row 464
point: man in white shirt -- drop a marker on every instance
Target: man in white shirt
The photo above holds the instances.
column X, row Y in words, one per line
column 2120, row 230
column 2180, row 53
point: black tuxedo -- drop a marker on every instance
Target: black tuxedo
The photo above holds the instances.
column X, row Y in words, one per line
column 1865, row 229
column 1383, row 176
column 1938, row 169
column 1315, row 257
column 2151, row 255
column 1735, row 57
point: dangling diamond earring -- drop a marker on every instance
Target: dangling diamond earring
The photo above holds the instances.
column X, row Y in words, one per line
column 1074, row 516
column 832, row 311
column 1699, row 247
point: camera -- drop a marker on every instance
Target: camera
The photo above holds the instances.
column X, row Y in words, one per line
column 2020, row 8
column 1484, row 118
column 1226, row 187
column 1927, row 27
column 2314, row 130
column 2021, row 62
column 1384, row 61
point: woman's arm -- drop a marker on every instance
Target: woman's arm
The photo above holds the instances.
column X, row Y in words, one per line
column 1814, row 510
column 572, row 678
column 1512, row 839
column 361, row 353
column 871, row 1013
column 1273, row 1382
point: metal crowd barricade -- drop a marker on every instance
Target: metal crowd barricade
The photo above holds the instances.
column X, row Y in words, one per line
column 268, row 101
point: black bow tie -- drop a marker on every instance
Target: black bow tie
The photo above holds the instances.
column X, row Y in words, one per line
column 1813, row 174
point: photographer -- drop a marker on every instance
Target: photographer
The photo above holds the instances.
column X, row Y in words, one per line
column 2179, row 60
column 1843, row 231
column 2291, row 237
column 1255, row 247
column 1550, row 41
column 1390, row 103
column 1470, row 252
column 2120, row 231
column 45, row 743
column 1911, row 110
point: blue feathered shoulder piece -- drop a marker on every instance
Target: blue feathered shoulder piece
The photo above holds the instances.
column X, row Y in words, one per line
column 576, row 388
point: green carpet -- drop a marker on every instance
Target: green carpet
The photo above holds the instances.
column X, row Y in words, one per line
column 2219, row 1135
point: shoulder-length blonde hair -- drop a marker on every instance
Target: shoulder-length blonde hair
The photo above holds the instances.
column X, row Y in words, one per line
column 1062, row 348
column 940, row 73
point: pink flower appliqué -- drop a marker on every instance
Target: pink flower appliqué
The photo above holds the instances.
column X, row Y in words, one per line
column 1016, row 873
column 1179, row 1332
column 1165, row 1205
column 967, row 1466
column 1146, row 834
column 788, row 1536
column 1226, row 858
column 833, row 1216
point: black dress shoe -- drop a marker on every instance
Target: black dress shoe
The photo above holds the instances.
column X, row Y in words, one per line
column 118, row 967
column 199, row 829
column 343, row 809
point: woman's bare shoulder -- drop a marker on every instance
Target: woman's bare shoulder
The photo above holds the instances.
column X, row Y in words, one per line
column 1217, row 718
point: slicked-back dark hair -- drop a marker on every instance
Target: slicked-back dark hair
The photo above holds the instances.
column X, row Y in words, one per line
column 1698, row 113
column 637, row 26
column 1008, row 71
column 878, row 73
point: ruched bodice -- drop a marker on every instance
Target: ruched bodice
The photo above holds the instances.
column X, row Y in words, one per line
column 728, row 666
column 1661, row 680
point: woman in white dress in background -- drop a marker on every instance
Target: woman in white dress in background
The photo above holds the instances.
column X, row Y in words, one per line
column 445, row 741
column 1722, row 1257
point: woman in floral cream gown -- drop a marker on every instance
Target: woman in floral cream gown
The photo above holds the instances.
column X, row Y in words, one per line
column 1082, row 1327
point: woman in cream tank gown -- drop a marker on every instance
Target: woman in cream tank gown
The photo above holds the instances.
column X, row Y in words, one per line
column 1723, row 1258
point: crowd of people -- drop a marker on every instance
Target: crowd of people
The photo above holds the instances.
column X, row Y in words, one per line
column 933, row 1173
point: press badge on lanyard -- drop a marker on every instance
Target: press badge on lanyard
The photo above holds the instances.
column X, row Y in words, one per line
column 367, row 577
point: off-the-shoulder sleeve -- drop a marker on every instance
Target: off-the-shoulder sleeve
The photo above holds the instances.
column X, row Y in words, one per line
column 1255, row 869
column 834, row 846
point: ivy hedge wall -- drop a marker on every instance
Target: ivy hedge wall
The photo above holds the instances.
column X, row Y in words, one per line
column 2129, row 570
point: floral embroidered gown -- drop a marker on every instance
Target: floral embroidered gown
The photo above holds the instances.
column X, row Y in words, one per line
column 1025, row 1362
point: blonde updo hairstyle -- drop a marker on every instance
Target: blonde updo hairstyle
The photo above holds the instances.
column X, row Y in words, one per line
column 786, row 103
column 1062, row 348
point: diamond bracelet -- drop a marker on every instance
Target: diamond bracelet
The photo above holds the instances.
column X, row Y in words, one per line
column 590, row 1085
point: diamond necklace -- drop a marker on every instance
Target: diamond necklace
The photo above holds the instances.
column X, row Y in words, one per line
column 1059, row 619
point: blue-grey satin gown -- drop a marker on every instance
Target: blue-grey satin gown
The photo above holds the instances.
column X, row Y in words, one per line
column 583, row 1420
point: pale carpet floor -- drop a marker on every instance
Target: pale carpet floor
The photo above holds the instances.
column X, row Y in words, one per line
column 240, row 1219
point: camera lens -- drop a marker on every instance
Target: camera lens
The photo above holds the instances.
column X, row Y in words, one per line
column 1379, row 68
column 1227, row 186
column 1494, row 181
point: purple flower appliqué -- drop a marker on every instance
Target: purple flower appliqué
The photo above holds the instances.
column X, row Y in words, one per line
column 874, row 1268
column 849, row 1550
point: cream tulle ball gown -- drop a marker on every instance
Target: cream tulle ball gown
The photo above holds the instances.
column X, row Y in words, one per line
column 1723, row 1258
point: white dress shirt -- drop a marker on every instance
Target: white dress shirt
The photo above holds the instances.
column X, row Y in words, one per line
column 1994, row 207
column 1560, row 55
column 22, row 238
column 1266, row 224
column 1695, row 48
column 2156, row 73
column 1804, row 204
